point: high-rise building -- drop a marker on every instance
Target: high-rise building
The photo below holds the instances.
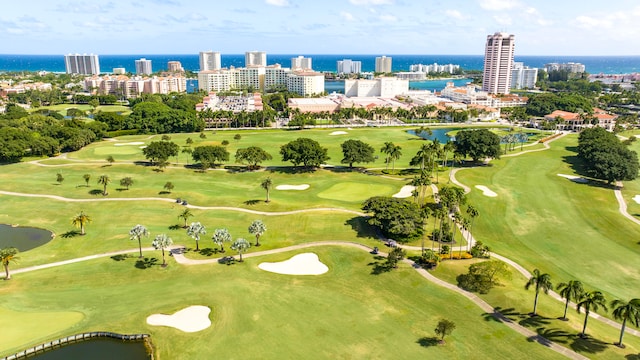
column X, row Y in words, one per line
column 498, row 63
column 82, row 64
column 301, row 63
column 523, row 77
column 210, row 60
column 143, row 67
column 258, row 58
column 348, row 66
column 305, row 83
column 383, row 64
column 174, row 66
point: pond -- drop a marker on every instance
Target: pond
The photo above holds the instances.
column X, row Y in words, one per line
column 23, row 238
column 440, row 134
column 98, row 349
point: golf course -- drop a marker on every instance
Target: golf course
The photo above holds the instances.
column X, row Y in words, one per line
column 535, row 208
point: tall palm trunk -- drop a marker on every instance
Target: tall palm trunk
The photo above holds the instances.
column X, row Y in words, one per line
column 586, row 317
column 7, row 276
column 624, row 324
column 535, row 301
column 566, row 306
column 140, row 247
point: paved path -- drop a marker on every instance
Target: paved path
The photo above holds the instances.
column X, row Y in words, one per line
column 622, row 204
column 224, row 208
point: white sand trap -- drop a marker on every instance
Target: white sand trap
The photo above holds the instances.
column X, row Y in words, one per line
column 129, row 143
column 574, row 178
column 486, row 191
column 191, row 319
column 143, row 146
column 339, row 133
column 301, row 264
column 292, row 187
column 637, row 199
column 405, row 192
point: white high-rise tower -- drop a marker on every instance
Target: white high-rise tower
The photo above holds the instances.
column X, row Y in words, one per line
column 209, row 60
column 498, row 63
column 258, row 58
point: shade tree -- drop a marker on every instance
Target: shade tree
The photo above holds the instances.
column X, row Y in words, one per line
column 356, row 151
column 210, row 155
column 160, row 151
column 253, row 155
column 445, row 327
column 478, row 144
column 304, row 151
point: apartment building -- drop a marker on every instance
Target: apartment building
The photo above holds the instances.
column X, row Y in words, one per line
column 82, row 64
column 498, row 63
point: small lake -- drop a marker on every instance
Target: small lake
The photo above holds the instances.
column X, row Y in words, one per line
column 440, row 134
column 23, row 238
column 97, row 349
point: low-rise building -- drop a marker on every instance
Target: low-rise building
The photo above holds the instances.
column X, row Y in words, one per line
column 471, row 95
column 570, row 121
column 314, row 105
column 387, row 87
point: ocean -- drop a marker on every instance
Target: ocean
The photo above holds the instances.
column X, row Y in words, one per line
column 55, row 63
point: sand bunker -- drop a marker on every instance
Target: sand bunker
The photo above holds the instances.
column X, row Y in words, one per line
column 636, row 199
column 143, row 146
column 301, row 264
column 574, row 178
column 191, row 319
column 292, row 187
column 486, row 191
column 129, row 143
column 405, row 192
column 339, row 133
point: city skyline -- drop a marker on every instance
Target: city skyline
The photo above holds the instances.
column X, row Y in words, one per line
column 329, row 27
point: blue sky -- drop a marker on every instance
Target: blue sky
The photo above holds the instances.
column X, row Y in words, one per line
column 542, row 27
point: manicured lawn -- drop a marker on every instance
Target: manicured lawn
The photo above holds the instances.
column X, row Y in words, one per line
column 511, row 299
column 347, row 312
column 62, row 108
column 545, row 221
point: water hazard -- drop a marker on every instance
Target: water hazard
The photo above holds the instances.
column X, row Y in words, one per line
column 23, row 238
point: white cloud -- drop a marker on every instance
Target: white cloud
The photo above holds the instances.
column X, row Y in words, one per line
column 277, row 2
column 456, row 14
column 587, row 22
column 371, row 2
column 347, row 16
column 503, row 19
column 388, row 18
column 498, row 5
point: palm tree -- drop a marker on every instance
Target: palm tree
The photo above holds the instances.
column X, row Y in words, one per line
column 162, row 242
column 541, row 282
column 80, row 221
column 626, row 311
column 387, row 149
column 86, row 178
column 257, row 228
column 185, row 215
column 220, row 236
column 473, row 213
column 266, row 184
column 7, row 256
column 571, row 291
column 591, row 300
column 240, row 245
column 104, row 180
column 195, row 230
column 395, row 155
column 136, row 233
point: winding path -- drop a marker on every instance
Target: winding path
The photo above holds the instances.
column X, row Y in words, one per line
column 177, row 253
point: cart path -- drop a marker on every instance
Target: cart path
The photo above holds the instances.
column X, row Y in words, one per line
column 177, row 253
column 224, row 208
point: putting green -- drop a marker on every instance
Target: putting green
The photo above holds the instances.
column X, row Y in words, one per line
column 118, row 150
column 354, row 191
column 35, row 326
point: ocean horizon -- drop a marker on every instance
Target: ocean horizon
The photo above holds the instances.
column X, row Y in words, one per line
column 320, row 62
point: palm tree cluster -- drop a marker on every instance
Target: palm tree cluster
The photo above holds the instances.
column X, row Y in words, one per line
column 573, row 291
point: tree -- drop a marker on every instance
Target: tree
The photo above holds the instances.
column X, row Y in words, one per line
column 7, row 256
column 136, row 233
column 240, row 245
column 80, row 221
column 162, row 242
column 221, row 236
column 483, row 276
column 110, row 160
column 126, row 182
column 168, row 186
column 257, row 229
column 86, row 178
column 104, row 180
column 210, row 154
column 626, row 311
column 541, row 282
column 444, row 327
column 304, row 151
column 605, row 157
column 395, row 255
column 158, row 151
column 253, row 155
column 478, row 144
column 590, row 300
column 195, row 230
column 237, row 137
column 387, row 149
column 473, row 213
column 266, row 184
column 397, row 218
column 356, row 151
column 185, row 215
column 571, row 291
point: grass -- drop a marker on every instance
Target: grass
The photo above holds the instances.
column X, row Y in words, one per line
column 511, row 299
column 62, row 108
column 255, row 314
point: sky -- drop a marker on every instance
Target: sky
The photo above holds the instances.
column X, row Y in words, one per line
column 433, row 27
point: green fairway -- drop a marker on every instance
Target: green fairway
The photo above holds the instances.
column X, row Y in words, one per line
column 356, row 192
column 542, row 220
column 255, row 314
